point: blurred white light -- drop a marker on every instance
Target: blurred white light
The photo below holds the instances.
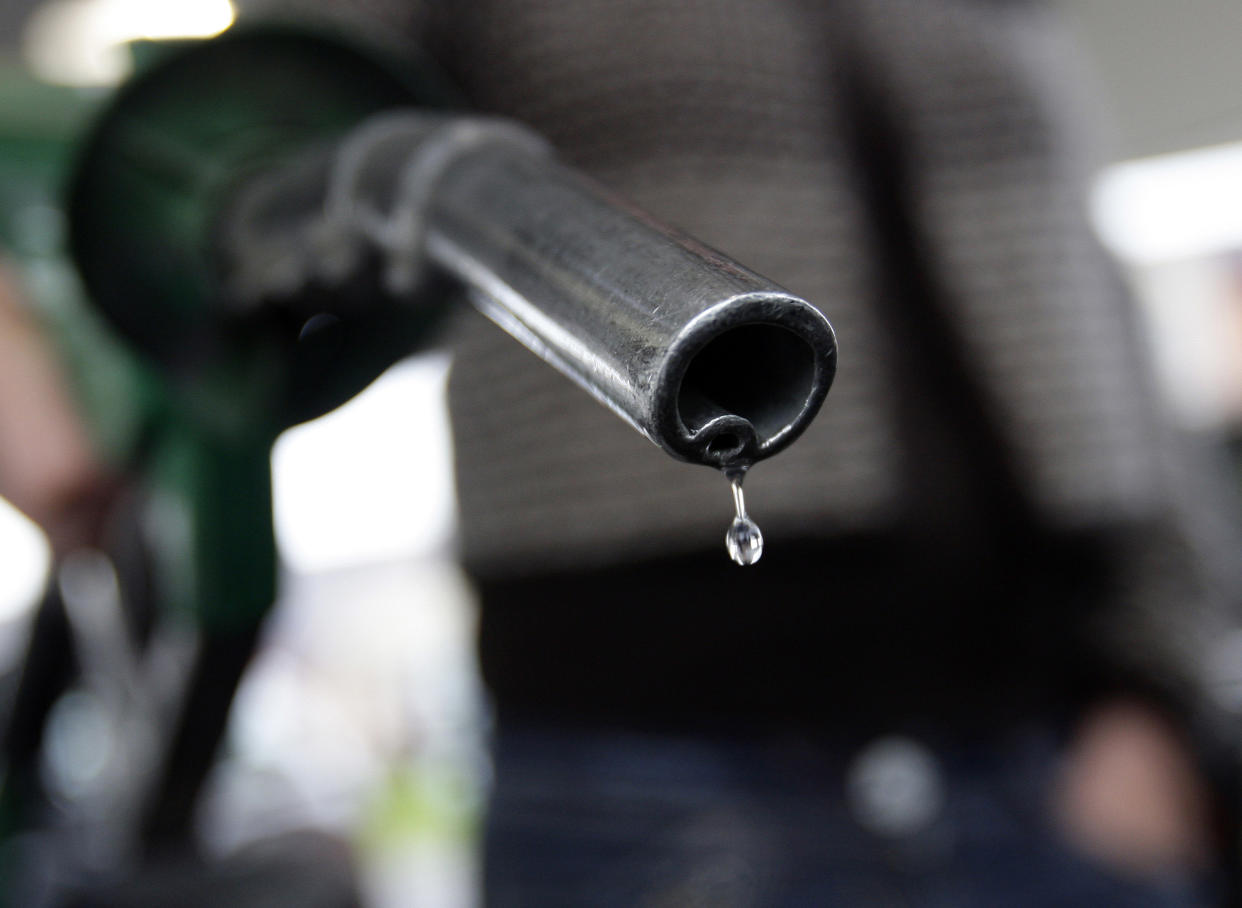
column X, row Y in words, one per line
column 80, row 741
column 82, row 42
column 895, row 787
column 1191, row 309
column 372, row 480
column 1225, row 671
column 27, row 558
column 1173, row 206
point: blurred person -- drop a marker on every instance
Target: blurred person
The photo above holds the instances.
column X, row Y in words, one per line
column 969, row 670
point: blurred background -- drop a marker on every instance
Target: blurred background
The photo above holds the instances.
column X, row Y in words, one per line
column 362, row 715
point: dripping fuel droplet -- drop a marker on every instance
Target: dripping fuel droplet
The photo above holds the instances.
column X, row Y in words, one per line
column 743, row 540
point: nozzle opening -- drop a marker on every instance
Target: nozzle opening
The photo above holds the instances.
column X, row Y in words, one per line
column 761, row 375
column 724, row 444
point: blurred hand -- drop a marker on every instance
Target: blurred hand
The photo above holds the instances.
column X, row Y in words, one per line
column 48, row 467
column 1130, row 794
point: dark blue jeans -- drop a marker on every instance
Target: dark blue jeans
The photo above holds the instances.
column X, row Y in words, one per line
column 606, row 818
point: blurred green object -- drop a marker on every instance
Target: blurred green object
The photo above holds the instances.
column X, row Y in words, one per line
column 156, row 172
column 184, row 391
column 166, row 373
column 151, row 177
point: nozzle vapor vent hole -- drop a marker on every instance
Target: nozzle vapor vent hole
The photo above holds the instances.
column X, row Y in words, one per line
column 724, row 443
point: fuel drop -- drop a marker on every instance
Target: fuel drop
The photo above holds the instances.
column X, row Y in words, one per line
column 743, row 540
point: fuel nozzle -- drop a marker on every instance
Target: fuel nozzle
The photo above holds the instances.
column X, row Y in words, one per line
column 712, row 362
column 283, row 207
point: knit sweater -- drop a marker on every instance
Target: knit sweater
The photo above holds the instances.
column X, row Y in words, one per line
column 916, row 169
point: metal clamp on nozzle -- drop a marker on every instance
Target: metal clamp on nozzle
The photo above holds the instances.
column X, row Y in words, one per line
column 712, row 362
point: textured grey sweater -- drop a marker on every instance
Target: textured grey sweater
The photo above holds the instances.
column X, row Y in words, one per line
column 775, row 131
column 738, row 122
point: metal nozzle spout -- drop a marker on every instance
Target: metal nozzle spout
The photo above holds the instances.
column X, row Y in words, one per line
column 712, row 362
column 743, row 379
